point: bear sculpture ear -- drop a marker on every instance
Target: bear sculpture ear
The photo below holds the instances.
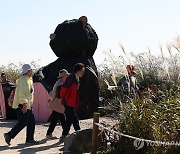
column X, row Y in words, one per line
column 84, row 21
column 52, row 36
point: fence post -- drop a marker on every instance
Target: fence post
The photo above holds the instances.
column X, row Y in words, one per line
column 95, row 133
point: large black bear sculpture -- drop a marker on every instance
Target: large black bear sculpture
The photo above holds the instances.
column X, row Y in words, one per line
column 74, row 41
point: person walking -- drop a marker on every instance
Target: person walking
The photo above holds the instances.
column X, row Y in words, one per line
column 58, row 108
column 23, row 101
column 70, row 95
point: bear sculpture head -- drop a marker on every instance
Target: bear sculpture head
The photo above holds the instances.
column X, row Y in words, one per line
column 74, row 38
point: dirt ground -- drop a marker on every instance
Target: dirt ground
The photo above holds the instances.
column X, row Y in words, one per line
column 46, row 146
column 53, row 146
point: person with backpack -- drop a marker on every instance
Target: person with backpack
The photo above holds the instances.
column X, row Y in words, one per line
column 56, row 104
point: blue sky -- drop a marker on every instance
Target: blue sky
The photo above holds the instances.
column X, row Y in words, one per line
column 26, row 24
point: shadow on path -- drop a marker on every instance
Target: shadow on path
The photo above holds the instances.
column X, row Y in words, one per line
column 25, row 148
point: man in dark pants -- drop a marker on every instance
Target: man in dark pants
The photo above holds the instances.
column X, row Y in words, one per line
column 8, row 86
column 55, row 116
column 23, row 101
column 71, row 118
column 55, row 95
column 70, row 95
column 24, row 119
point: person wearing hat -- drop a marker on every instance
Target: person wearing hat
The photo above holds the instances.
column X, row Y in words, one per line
column 23, row 101
column 8, row 86
column 58, row 108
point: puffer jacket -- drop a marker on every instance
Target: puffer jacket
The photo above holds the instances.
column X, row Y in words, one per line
column 70, row 91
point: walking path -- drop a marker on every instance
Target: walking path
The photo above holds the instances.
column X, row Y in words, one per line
column 46, row 146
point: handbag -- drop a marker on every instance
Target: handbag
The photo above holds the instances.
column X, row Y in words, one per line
column 56, row 105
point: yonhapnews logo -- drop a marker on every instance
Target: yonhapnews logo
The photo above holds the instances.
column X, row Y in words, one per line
column 139, row 143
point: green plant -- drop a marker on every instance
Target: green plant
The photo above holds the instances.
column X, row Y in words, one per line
column 140, row 116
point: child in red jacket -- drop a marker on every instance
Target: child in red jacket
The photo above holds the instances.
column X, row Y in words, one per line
column 70, row 95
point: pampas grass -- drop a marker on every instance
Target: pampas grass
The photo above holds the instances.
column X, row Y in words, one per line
column 141, row 117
